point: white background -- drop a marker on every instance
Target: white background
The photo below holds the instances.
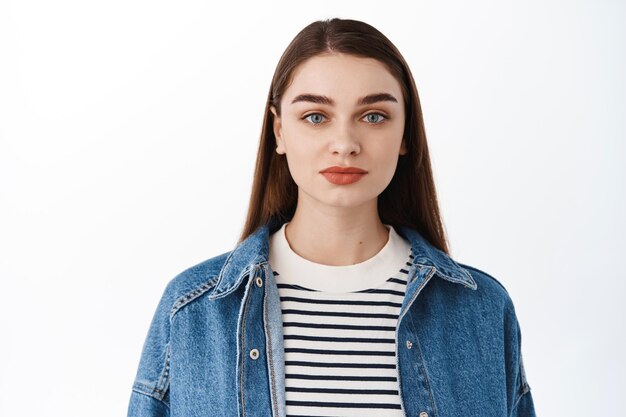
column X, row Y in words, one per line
column 129, row 131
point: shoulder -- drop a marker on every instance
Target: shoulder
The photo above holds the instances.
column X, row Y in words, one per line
column 192, row 282
column 488, row 286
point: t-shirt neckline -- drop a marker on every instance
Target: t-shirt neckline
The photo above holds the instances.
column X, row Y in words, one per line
column 371, row 273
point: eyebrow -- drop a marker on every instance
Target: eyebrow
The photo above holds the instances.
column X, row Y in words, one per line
column 369, row 99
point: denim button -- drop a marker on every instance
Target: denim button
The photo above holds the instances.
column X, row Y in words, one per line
column 409, row 345
column 259, row 282
column 254, row 354
column 423, row 414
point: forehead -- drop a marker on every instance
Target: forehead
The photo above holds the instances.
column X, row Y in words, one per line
column 342, row 77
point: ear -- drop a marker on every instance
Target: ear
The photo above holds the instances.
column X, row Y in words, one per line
column 278, row 134
column 403, row 149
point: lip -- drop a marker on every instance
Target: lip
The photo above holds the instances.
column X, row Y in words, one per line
column 343, row 175
column 344, row 170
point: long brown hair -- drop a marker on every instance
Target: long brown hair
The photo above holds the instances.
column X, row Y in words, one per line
column 410, row 198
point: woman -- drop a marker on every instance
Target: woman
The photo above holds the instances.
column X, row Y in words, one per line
column 340, row 298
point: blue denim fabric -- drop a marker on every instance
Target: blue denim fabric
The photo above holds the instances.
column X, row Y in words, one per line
column 215, row 343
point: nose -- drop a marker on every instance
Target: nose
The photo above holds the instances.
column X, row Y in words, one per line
column 344, row 140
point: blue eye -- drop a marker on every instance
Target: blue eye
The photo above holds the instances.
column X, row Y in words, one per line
column 316, row 118
column 319, row 116
column 375, row 114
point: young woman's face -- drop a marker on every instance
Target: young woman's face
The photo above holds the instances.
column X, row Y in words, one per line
column 346, row 111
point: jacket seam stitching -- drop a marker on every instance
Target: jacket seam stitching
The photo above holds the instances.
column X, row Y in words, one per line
column 243, row 327
column 422, row 365
column 269, row 343
column 192, row 295
column 163, row 383
column 422, row 361
column 148, row 391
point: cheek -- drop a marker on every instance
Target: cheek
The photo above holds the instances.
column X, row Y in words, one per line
column 299, row 159
column 387, row 159
column 387, row 166
column 301, row 144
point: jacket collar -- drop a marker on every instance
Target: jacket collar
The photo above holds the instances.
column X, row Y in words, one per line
column 253, row 251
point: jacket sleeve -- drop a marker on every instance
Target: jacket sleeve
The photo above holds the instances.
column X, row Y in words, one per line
column 150, row 390
column 518, row 390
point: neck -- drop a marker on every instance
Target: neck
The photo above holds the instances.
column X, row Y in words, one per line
column 344, row 238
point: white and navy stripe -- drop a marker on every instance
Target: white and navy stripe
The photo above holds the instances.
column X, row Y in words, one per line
column 340, row 349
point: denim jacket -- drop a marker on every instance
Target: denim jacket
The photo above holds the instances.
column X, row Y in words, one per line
column 215, row 343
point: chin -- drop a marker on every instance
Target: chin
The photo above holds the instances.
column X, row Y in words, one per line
column 347, row 201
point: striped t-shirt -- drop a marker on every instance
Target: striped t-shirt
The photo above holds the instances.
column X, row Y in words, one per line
column 339, row 327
